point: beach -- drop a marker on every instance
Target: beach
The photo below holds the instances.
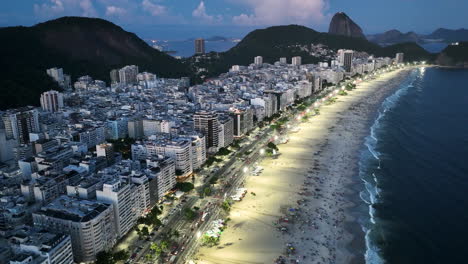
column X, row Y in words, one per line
column 305, row 203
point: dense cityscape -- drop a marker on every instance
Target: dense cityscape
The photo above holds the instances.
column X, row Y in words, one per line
column 146, row 168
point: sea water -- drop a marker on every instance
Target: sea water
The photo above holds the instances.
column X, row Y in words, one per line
column 414, row 165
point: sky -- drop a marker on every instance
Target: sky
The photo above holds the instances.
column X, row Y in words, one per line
column 182, row 19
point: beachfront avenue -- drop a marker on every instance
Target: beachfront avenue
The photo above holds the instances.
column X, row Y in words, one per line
column 232, row 174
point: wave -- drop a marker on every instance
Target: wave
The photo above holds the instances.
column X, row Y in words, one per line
column 370, row 164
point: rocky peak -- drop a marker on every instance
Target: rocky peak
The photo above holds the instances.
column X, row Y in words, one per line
column 342, row 24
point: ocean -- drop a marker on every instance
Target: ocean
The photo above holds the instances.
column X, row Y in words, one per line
column 414, row 166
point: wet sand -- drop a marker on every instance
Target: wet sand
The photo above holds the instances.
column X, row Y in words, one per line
column 314, row 184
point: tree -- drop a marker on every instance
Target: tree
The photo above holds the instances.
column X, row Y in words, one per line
column 185, row 186
column 104, row 257
column 156, row 248
column 213, row 180
column 210, row 240
column 164, row 245
column 226, row 206
column 207, row 191
column 189, row 214
column 121, row 255
column 223, row 152
column 272, row 145
column 144, row 231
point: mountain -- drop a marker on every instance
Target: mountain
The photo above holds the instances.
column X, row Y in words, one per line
column 449, row 35
column 81, row 46
column 412, row 51
column 394, row 36
column 454, row 55
column 292, row 40
column 342, row 24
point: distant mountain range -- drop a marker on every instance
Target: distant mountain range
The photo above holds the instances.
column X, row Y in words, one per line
column 288, row 41
column 90, row 46
column 440, row 35
column 81, row 46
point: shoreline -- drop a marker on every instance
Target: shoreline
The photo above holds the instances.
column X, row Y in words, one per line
column 326, row 228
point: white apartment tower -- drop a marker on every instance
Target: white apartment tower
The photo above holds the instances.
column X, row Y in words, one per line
column 20, row 122
column 128, row 74
column 296, row 61
column 399, row 58
column 119, row 194
column 52, row 101
column 258, row 60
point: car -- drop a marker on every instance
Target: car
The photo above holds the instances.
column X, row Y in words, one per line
column 133, row 255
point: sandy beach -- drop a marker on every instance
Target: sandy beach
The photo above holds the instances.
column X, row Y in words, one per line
column 311, row 191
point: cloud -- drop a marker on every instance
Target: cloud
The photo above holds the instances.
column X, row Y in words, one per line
column 53, row 8
column 200, row 13
column 115, row 11
column 153, row 9
column 271, row 12
column 88, row 8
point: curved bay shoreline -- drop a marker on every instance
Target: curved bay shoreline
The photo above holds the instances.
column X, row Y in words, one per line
column 321, row 162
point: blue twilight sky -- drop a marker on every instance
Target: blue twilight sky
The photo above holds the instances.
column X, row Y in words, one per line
column 181, row 19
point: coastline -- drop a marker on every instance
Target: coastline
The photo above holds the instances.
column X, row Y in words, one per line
column 322, row 157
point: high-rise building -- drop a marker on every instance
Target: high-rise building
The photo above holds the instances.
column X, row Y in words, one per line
column 180, row 149
column 207, row 123
column 399, row 58
column 348, row 60
column 226, row 129
column 162, row 176
column 198, row 150
column 90, row 224
column 199, row 46
column 62, row 79
column 135, row 129
column 296, row 61
column 20, row 122
column 258, row 60
column 56, row 74
column 114, row 76
column 128, row 74
column 119, row 194
column 283, row 60
column 243, row 121
column 52, row 101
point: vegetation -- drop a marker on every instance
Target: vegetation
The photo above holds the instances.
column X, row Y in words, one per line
column 265, row 43
column 223, row 152
column 189, row 214
column 212, row 160
column 185, row 186
column 81, row 46
column 105, row 257
column 454, row 55
column 342, row 93
column 226, row 205
column 272, row 146
column 213, row 180
column 210, row 241
column 123, row 146
column 151, row 219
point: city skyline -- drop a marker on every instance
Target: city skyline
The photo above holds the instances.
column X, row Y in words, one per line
column 191, row 18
